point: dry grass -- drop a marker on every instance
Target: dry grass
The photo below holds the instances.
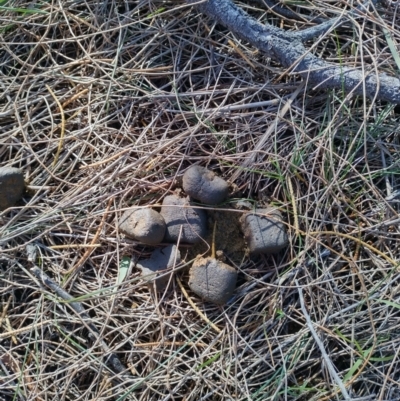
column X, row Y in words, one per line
column 146, row 89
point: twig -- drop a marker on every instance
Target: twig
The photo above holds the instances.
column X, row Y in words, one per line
column 237, row 49
column 287, row 48
column 100, row 162
column 76, row 96
column 293, row 200
column 68, row 246
column 91, row 245
column 199, row 312
column 213, row 251
column 327, row 360
column 235, row 107
column 172, row 344
column 34, row 326
column 331, row 24
column 62, row 125
column 287, row 13
column 4, row 316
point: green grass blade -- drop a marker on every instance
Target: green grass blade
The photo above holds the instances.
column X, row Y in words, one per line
column 24, row 10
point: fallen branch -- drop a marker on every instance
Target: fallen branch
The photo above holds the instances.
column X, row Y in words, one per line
column 287, row 49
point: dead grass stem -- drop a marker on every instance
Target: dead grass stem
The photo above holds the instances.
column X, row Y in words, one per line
column 142, row 90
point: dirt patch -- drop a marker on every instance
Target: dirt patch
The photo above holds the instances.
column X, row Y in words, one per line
column 228, row 237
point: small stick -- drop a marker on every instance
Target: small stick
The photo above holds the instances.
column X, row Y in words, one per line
column 393, row 262
column 325, row 356
column 99, row 163
column 91, row 245
column 293, row 199
column 172, row 344
column 76, row 96
column 13, row 333
column 7, row 321
column 62, row 125
column 213, row 252
column 199, row 312
column 241, row 54
column 5, row 309
column 67, row 246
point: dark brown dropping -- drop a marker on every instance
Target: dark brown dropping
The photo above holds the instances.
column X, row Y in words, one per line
column 185, row 223
column 264, row 231
column 144, row 225
column 212, row 280
column 154, row 268
column 204, row 185
column 12, row 186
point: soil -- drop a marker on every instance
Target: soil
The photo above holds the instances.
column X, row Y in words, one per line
column 228, row 237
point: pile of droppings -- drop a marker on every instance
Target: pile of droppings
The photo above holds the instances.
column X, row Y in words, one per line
column 181, row 221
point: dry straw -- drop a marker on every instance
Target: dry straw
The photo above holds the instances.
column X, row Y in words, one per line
column 103, row 104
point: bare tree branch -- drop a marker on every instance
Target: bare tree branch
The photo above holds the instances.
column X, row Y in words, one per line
column 287, row 48
column 287, row 13
column 330, row 25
